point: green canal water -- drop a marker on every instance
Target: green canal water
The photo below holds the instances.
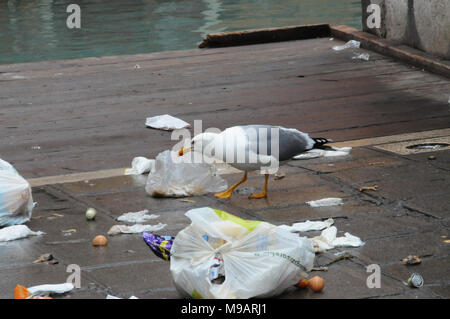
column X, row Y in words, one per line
column 35, row 30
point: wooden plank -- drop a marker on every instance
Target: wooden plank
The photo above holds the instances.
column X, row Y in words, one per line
column 248, row 37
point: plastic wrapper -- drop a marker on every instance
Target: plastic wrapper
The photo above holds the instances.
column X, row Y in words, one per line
column 17, row 232
column 140, row 165
column 178, row 179
column 166, row 122
column 16, row 201
column 160, row 245
column 223, row 256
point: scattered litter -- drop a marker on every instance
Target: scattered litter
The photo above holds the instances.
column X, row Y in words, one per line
column 411, row 260
column 279, row 175
column 319, row 269
column 140, row 165
column 431, row 157
column 368, row 188
column 57, row 215
column 362, row 56
column 344, row 256
column 302, row 283
column 137, row 217
column 91, row 213
column 316, row 283
column 315, row 153
column 324, row 202
column 178, row 179
column 328, row 240
column 350, row 44
column 45, row 290
column 16, row 201
column 114, row 297
column 72, row 230
column 69, row 232
column 17, row 232
column 160, row 245
column 447, row 241
column 100, row 240
column 43, row 258
column 331, row 39
column 308, row 226
column 187, row 201
column 35, row 147
column 135, row 229
column 415, row 281
column 252, row 251
column 137, row 66
column 166, row 122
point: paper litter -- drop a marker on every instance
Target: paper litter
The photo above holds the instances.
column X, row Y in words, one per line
column 328, row 240
column 166, row 122
column 135, row 229
column 324, row 202
column 17, row 232
column 137, row 217
column 308, row 226
column 314, row 153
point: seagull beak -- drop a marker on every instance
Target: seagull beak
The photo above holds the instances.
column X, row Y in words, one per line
column 184, row 150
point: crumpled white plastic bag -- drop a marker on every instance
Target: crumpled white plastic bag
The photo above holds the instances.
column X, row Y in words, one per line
column 17, row 232
column 140, row 165
column 166, row 122
column 259, row 259
column 350, row 44
column 316, row 152
column 16, row 201
column 48, row 289
column 137, row 217
column 173, row 179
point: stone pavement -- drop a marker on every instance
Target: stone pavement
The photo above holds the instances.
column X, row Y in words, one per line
column 76, row 116
column 407, row 215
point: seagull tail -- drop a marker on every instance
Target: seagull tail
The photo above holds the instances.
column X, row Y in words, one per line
column 319, row 142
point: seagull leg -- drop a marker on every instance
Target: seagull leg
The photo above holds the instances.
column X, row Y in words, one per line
column 229, row 191
column 263, row 194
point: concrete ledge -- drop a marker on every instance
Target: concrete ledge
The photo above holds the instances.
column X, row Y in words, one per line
column 265, row 35
column 397, row 51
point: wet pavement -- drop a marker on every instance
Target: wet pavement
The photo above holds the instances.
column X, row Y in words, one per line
column 407, row 215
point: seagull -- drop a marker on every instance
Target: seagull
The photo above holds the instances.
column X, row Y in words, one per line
column 253, row 147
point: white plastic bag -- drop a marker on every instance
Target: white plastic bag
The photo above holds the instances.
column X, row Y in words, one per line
column 140, row 165
column 259, row 259
column 166, row 122
column 172, row 179
column 16, row 202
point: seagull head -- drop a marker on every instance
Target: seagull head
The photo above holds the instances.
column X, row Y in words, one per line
column 199, row 142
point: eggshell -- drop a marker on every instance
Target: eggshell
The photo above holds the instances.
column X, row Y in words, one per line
column 99, row 240
column 302, row 283
column 316, row 283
